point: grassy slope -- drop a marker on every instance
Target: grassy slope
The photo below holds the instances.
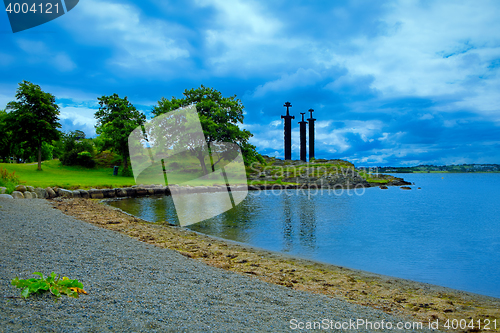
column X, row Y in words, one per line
column 55, row 174
column 70, row 177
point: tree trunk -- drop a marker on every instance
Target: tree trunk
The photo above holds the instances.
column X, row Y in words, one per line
column 125, row 163
column 202, row 162
column 40, row 157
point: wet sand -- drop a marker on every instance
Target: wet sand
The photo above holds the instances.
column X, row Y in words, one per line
column 423, row 302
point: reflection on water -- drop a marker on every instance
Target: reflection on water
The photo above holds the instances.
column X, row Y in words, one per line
column 447, row 233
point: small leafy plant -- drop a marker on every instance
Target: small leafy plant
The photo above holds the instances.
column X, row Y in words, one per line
column 55, row 285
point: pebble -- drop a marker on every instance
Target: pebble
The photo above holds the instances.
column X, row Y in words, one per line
column 184, row 296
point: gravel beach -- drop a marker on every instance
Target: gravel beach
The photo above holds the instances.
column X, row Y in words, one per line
column 137, row 287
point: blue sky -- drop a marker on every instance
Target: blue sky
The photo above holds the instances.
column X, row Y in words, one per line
column 391, row 82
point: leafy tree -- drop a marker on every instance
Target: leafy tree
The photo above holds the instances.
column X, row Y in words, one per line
column 219, row 117
column 5, row 137
column 116, row 119
column 33, row 119
column 77, row 151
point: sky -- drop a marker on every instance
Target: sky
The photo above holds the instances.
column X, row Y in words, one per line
column 392, row 83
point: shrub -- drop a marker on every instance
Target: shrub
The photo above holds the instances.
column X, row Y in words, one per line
column 8, row 180
column 108, row 158
column 85, row 159
column 78, row 152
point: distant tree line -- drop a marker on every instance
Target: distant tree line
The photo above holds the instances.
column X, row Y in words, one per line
column 29, row 127
column 443, row 168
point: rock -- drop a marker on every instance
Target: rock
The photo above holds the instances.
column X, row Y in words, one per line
column 159, row 190
column 121, row 192
column 131, row 192
column 95, row 194
column 18, row 195
column 65, row 193
column 76, row 194
column 405, row 188
column 6, row 196
column 35, row 196
column 109, row 193
column 21, row 188
column 383, row 187
column 3, row 190
column 30, row 188
column 84, row 194
column 50, row 193
column 141, row 191
column 28, row 195
column 41, row 193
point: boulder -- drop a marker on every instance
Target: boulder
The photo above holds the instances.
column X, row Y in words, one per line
column 30, row 188
column 76, row 194
column 50, row 193
column 65, row 193
column 121, row 192
column 109, row 193
column 131, row 192
column 84, row 194
column 35, row 196
column 6, row 196
column 140, row 191
column 3, row 190
column 383, row 187
column 28, row 195
column 159, row 190
column 95, row 194
column 41, row 193
column 18, row 195
column 405, row 188
column 21, row 188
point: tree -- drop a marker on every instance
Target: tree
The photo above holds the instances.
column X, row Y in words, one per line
column 116, row 119
column 33, row 119
column 76, row 150
column 219, row 117
column 5, row 137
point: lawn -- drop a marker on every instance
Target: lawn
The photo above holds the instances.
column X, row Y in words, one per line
column 54, row 174
column 70, row 177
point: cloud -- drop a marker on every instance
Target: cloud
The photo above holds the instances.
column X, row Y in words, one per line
column 138, row 42
column 78, row 118
column 38, row 52
column 301, row 78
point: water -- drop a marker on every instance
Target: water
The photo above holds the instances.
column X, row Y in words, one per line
column 447, row 233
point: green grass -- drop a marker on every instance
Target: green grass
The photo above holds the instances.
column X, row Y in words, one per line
column 70, row 177
column 54, row 174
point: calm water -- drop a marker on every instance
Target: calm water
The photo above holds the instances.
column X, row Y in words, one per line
column 447, row 233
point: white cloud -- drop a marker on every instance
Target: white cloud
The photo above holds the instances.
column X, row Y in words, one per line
column 139, row 41
column 80, row 117
column 245, row 38
column 301, row 78
column 433, row 49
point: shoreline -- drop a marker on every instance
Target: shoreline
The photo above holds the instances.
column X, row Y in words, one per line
column 419, row 300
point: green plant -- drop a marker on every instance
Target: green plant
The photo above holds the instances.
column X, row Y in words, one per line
column 8, row 180
column 55, row 285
